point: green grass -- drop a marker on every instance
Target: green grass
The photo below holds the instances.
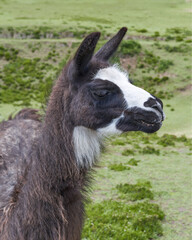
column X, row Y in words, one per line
column 142, row 189
column 168, row 173
column 130, row 48
column 116, row 220
column 119, row 167
column 107, row 15
column 133, row 162
column 133, row 192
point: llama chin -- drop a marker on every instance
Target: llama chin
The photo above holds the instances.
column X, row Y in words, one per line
column 88, row 142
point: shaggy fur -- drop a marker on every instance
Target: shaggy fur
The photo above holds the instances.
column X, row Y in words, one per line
column 45, row 166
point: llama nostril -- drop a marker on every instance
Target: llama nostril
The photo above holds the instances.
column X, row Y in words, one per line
column 156, row 105
column 158, row 108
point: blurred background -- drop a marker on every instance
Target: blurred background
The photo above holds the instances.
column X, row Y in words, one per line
column 143, row 184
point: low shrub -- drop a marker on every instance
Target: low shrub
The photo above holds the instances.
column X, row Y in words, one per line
column 130, row 47
column 8, row 53
column 133, row 162
column 164, row 65
column 118, row 167
column 134, row 192
column 143, row 30
column 112, row 220
column 156, row 34
column 128, row 152
column 150, row 150
column 167, row 140
column 153, row 62
column 179, row 38
column 118, row 141
column 179, row 30
column 170, row 140
column 181, row 48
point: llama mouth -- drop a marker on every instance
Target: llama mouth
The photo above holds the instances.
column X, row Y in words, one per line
column 148, row 124
column 148, row 127
column 138, row 122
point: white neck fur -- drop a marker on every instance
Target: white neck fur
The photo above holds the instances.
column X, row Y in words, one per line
column 87, row 144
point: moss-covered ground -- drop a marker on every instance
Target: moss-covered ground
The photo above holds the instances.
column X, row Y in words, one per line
column 142, row 187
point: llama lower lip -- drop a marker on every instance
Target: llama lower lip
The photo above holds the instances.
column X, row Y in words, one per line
column 132, row 123
column 149, row 127
column 147, row 124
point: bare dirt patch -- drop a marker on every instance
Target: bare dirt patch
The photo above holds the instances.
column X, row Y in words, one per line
column 129, row 63
column 189, row 10
column 167, row 74
column 185, row 90
column 3, row 63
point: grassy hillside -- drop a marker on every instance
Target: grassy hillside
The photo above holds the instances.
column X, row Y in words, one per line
column 108, row 14
column 142, row 187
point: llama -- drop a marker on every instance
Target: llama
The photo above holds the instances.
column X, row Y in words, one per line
column 45, row 165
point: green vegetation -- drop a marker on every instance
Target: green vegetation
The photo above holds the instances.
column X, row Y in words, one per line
column 74, row 15
column 36, row 40
column 150, row 150
column 128, row 152
column 24, row 80
column 130, row 48
column 177, row 33
column 119, row 167
column 134, row 192
column 165, row 173
column 8, row 54
column 181, row 48
column 116, row 220
column 155, row 63
column 133, row 162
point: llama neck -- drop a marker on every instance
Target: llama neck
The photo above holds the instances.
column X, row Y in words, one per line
column 57, row 142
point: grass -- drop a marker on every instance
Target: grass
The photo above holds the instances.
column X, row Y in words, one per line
column 178, row 122
column 133, row 192
column 75, row 15
column 130, row 48
column 168, row 175
column 133, row 162
column 139, row 221
column 119, row 167
column 150, row 150
column 142, row 187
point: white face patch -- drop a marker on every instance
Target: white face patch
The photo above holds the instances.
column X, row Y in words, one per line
column 134, row 96
column 110, row 129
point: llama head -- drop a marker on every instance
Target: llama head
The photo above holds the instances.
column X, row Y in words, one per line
column 103, row 99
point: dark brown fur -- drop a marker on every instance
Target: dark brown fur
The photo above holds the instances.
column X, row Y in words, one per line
column 47, row 202
column 42, row 181
column 42, row 188
column 27, row 113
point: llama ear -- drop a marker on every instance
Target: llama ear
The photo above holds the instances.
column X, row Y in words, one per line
column 85, row 52
column 111, row 46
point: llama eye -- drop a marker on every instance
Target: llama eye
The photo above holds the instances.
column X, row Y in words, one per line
column 100, row 93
